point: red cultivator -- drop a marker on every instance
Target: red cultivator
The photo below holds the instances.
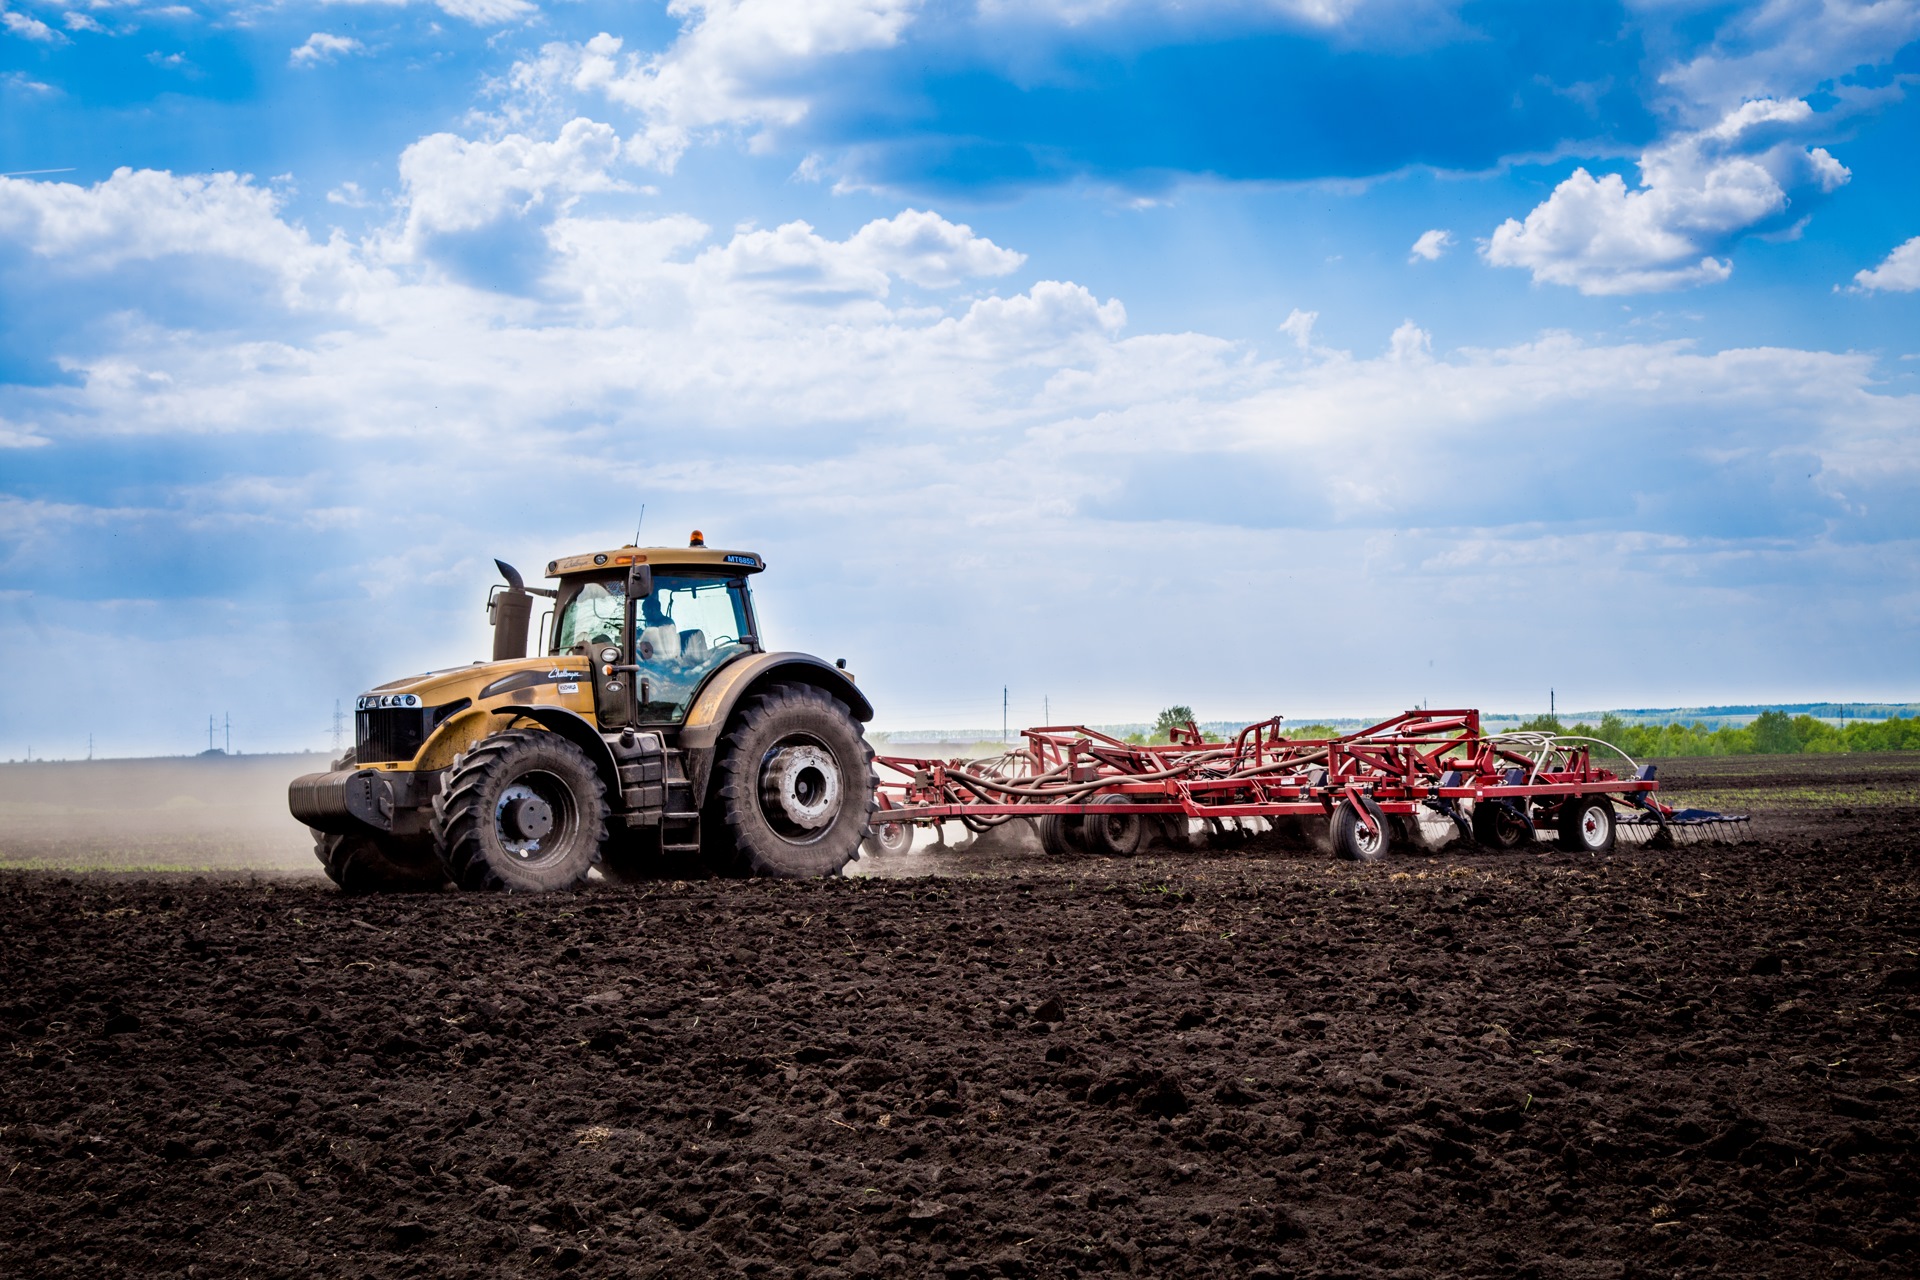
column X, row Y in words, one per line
column 1084, row 790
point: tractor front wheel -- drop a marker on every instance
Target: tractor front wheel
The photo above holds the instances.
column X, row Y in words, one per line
column 524, row 811
column 376, row 864
column 793, row 789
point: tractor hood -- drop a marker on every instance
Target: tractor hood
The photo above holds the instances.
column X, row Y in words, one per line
column 421, row 722
column 519, row 680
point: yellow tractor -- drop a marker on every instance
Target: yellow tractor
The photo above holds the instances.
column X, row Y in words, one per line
column 654, row 734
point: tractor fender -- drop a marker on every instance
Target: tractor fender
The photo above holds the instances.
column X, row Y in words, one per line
column 714, row 705
column 576, row 729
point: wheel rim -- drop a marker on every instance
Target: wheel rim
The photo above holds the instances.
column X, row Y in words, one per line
column 1593, row 827
column 534, row 818
column 800, row 789
column 896, row 837
column 1367, row 840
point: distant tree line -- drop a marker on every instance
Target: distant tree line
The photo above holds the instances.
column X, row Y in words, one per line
column 1771, row 733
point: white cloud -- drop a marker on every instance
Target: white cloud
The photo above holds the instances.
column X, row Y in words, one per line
column 456, row 184
column 925, row 249
column 1410, row 344
column 146, row 216
column 76, row 21
column 1786, row 48
column 1299, row 326
column 1430, row 246
column 15, row 435
column 727, row 68
column 482, row 13
column 323, row 47
column 1698, row 192
column 1900, row 273
column 967, row 468
column 28, row 27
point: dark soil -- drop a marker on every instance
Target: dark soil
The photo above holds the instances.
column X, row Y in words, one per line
column 1261, row 1063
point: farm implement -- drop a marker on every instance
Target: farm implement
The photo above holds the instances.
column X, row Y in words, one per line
column 1085, row 791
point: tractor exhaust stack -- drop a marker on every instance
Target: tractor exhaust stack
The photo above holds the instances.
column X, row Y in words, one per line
column 509, row 607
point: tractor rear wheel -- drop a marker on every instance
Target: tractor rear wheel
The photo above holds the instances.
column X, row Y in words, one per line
column 524, row 811
column 793, row 789
column 1352, row 839
column 1586, row 825
column 1114, row 835
column 1500, row 825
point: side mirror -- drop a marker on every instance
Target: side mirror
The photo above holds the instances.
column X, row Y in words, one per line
column 639, row 581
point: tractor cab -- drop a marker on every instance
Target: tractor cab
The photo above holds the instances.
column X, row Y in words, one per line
column 655, row 623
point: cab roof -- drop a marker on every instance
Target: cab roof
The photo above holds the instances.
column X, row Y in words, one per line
column 717, row 559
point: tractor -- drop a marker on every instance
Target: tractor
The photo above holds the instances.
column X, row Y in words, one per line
column 654, row 735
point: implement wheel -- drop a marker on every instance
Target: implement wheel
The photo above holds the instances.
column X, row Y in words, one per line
column 525, row 811
column 1586, row 825
column 1114, row 835
column 793, row 787
column 1062, row 835
column 889, row 839
column 1500, row 825
column 1351, row 838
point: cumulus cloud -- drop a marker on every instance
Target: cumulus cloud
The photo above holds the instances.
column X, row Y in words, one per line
column 1698, row 193
column 150, row 216
column 1900, row 273
column 323, row 47
column 458, row 184
column 732, row 66
column 1430, row 246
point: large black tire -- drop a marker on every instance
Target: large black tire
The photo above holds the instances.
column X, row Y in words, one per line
column 1586, row 825
column 376, row 864
column 1498, row 824
column 1114, row 835
column 524, row 811
column 793, row 787
column 1352, row 840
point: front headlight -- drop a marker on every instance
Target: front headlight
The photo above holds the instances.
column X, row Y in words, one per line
column 609, row 654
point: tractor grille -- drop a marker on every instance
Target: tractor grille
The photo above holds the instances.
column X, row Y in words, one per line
column 391, row 733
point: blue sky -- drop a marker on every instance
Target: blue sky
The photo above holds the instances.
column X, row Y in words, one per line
column 1296, row 356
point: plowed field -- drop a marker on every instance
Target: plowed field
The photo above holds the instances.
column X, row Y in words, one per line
column 1249, row 1064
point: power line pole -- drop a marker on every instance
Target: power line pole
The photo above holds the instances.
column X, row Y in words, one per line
column 209, row 731
column 1553, row 708
column 337, row 721
column 1003, row 715
column 229, row 727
